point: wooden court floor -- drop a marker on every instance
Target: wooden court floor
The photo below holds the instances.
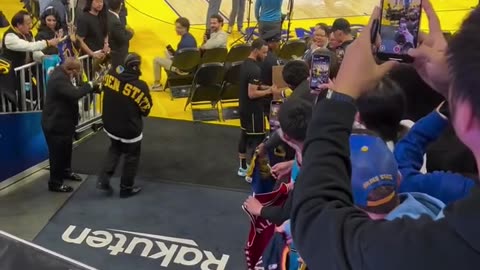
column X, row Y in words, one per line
column 196, row 10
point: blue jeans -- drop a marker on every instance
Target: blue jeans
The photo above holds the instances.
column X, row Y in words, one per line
column 238, row 11
column 213, row 8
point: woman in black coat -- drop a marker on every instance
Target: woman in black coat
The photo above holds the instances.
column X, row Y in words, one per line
column 49, row 27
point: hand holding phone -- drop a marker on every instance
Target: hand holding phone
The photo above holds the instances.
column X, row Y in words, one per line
column 319, row 71
column 274, row 109
column 170, row 50
column 399, row 28
column 433, row 67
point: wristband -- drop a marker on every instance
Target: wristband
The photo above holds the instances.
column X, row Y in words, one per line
column 339, row 96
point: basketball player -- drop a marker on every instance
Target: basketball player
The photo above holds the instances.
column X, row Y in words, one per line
column 252, row 117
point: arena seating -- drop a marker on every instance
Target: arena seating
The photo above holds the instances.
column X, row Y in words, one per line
column 215, row 55
column 206, row 89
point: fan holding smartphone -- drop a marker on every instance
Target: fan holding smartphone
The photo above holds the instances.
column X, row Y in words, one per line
column 399, row 28
column 323, row 66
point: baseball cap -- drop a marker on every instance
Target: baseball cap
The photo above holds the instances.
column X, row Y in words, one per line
column 341, row 24
column 373, row 166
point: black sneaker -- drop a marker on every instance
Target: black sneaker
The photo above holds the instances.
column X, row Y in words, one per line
column 73, row 177
column 129, row 192
column 62, row 188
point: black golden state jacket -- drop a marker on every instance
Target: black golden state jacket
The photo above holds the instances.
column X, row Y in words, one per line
column 126, row 100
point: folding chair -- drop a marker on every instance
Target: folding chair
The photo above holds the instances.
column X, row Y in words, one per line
column 185, row 61
column 230, row 92
column 205, row 90
column 238, row 52
column 215, row 55
column 292, row 49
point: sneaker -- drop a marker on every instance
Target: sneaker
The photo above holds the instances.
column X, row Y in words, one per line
column 157, row 87
column 240, row 30
column 60, row 188
column 229, row 30
column 129, row 192
column 242, row 172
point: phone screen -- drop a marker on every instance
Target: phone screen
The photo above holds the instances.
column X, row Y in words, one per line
column 399, row 28
column 273, row 118
column 320, row 70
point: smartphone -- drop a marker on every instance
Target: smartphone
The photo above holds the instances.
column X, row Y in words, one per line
column 319, row 71
column 170, row 49
column 399, row 28
column 273, row 118
column 207, row 34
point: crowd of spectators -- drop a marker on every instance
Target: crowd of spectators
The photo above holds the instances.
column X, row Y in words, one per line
column 376, row 174
column 383, row 166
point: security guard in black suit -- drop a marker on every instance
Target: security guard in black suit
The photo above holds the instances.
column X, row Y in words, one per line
column 119, row 35
column 60, row 116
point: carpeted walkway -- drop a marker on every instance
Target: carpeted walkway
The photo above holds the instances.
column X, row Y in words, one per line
column 176, row 151
column 168, row 226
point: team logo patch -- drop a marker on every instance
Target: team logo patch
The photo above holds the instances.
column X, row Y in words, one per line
column 119, row 69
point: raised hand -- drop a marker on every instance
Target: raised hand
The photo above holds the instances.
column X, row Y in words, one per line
column 430, row 58
column 359, row 71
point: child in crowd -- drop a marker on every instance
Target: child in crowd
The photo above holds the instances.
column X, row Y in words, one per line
column 375, row 182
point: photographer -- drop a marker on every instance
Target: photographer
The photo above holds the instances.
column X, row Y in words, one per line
column 59, row 119
column 126, row 100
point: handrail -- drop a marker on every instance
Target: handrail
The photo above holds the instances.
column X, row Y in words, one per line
column 26, row 66
column 32, row 90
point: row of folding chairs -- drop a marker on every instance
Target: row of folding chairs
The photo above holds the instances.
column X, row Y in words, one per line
column 187, row 61
column 214, row 89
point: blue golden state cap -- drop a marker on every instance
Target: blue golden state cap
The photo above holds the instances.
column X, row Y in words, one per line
column 373, row 166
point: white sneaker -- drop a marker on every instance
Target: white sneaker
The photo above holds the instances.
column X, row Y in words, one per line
column 242, row 172
column 157, row 87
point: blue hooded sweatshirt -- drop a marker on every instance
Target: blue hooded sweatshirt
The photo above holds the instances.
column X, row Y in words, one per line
column 445, row 186
column 415, row 204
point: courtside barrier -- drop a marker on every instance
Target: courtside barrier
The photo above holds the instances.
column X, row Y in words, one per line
column 32, row 93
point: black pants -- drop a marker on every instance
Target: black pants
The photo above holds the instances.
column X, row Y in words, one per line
column 249, row 141
column 131, row 153
column 60, row 157
column 264, row 27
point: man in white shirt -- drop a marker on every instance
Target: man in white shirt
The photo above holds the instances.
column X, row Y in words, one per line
column 218, row 38
column 20, row 47
column 19, row 44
